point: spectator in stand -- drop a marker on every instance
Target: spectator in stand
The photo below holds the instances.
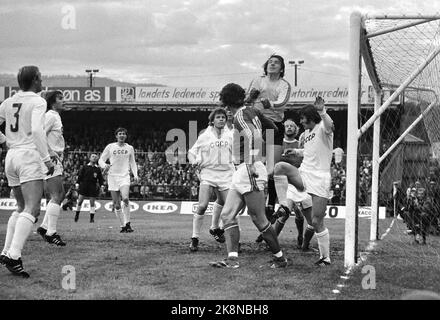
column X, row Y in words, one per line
column 338, row 153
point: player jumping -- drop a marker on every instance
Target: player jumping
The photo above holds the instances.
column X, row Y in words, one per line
column 249, row 179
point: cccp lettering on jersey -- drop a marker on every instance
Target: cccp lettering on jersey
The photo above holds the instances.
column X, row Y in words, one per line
column 309, row 138
column 221, row 144
column 121, row 151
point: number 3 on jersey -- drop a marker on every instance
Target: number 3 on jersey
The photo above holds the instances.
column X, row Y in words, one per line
column 16, row 115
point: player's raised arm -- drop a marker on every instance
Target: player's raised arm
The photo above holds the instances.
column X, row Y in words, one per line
column 104, row 157
column 327, row 121
column 253, row 91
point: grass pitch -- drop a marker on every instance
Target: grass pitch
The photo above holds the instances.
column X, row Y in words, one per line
column 155, row 263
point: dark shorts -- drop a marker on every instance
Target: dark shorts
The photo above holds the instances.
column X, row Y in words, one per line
column 279, row 136
column 89, row 190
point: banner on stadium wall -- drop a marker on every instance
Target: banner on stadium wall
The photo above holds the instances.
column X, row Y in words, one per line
column 337, row 95
column 199, row 95
column 155, row 207
column 334, row 212
column 74, row 94
column 182, row 207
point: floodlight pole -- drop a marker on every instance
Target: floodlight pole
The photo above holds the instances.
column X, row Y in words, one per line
column 350, row 254
column 296, row 63
column 91, row 72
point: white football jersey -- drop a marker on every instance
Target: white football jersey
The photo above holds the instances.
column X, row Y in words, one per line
column 121, row 159
column 24, row 114
column 318, row 149
column 54, row 131
column 214, row 152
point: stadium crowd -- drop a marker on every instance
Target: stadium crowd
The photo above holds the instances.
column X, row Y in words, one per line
column 159, row 178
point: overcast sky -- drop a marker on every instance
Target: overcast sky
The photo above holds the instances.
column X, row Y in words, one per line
column 191, row 43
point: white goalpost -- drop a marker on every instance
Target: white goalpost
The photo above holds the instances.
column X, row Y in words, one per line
column 400, row 54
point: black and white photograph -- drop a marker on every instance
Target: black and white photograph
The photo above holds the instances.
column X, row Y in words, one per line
column 217, row 157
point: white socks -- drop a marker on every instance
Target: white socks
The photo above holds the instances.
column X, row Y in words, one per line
column 52, row 214
column 23, row 228
column 126, row 212
column 215, row 221
column 120, row 216
column 10, row 231
column 281, row 185
column 45, row 220
column 197, row 225
column 324, row 244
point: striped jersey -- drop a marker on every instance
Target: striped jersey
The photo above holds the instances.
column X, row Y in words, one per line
column 249, row 127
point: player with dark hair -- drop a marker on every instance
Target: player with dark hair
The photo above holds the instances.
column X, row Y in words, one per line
column 314, row 171
column 212, row 153
column 270, row 94
column 122, row 160
column 249, row 179
column 90, row 180
column 26, row 140
column 54, row 183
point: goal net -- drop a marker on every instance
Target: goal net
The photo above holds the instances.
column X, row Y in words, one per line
column 393, row 148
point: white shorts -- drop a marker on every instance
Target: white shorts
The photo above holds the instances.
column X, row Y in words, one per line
column 316, row 182
column 23, row 165
column 116, row 182
column 243, row 183
column 301, row 197
column 58, row 171
column 220, row 179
